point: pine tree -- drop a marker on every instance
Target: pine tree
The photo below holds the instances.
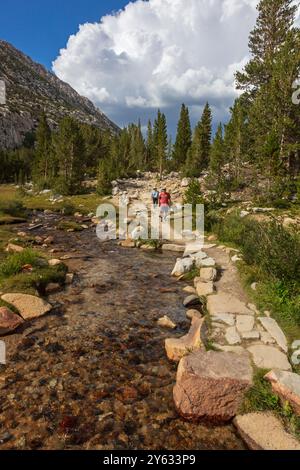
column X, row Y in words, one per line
column 137, row 148
column 183, row 138
column 69, row 154
column 217, row 155
column 43, row 164
column 105, row 177
column 236, row 139
column 149, row 146
column 199, row 152
column 275, row 19
column 160, row 140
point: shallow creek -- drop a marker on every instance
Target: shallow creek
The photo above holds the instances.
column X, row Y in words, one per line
column 93, row 374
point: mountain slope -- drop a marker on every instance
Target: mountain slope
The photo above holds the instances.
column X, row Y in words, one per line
column 30, row 90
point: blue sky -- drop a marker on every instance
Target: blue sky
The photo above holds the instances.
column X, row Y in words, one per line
column 40, row 28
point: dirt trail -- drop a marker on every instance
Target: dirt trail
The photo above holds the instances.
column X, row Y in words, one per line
column 94, row 374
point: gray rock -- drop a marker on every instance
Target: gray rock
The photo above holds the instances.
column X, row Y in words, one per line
column 266, row 338
column 191, row 301
column 205, row 288
column 182, row 266
column 296, row 357
column 208, row 274
column 232, row 336
column 244, row 323
column 251, row 335
column 275, row 331
column 207, row 262
column 226, row 318
column 166, row 322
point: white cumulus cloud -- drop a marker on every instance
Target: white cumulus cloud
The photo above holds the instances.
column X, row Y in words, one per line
column 160, row 53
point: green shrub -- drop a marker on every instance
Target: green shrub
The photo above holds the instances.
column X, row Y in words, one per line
column 273, row 249
column 68, row 209
column 69, row 225
column 14, row 208
column 193, row 194
column 37, row 280
column 260, row 396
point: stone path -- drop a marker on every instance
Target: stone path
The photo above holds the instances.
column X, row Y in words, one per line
column 211, row 385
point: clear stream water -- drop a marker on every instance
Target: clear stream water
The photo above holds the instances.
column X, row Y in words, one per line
column 94, row 374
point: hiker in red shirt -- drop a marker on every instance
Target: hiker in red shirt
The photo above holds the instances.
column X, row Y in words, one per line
column 164, row 204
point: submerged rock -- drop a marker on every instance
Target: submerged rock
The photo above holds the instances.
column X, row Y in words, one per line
column 9, row 321
column 166, row 322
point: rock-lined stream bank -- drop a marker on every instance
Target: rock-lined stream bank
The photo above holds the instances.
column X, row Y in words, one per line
column 93, row 374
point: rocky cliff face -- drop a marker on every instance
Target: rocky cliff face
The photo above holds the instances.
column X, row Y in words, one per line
column 30, row 90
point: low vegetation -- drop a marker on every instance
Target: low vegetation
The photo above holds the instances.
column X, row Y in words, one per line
column 28, row 272
column 261, row 398
column 272, row 257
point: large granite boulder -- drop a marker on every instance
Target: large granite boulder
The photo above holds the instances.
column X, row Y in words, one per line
column 211, row 385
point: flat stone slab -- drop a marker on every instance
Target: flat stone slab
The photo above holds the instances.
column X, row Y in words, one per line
column 244, row 323
column 193, row 247
column 266, row 338
column 29, row 306
column 205, row 288
column 233, row 349
column 275, row 331
column 263, row 431
column 226, row 318
column 232, row 336
column 268, row 357
column 287, row 386
column 226, row 303
column 173, row 247
column 249, row 335
column 198, row 256
column 211, row 385
column 177, row 348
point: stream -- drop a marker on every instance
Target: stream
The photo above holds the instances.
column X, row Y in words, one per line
column 93, row 374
